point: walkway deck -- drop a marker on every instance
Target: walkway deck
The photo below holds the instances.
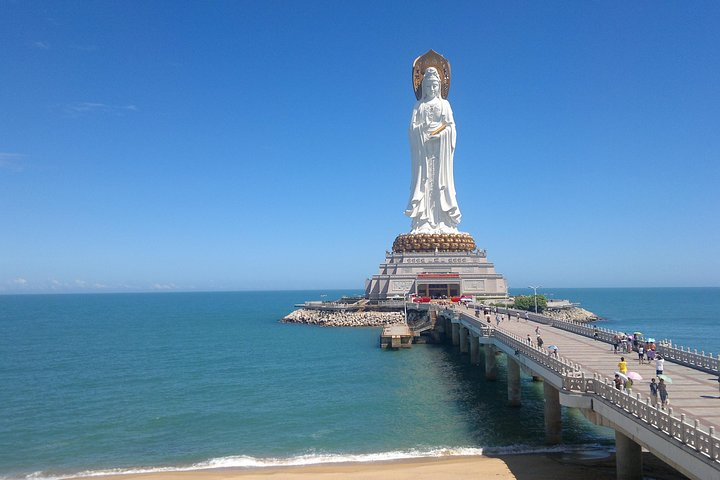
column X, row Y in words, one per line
column 683, row 436
column 693, row 392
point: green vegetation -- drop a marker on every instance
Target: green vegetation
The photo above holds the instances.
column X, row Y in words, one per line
column 528, row 303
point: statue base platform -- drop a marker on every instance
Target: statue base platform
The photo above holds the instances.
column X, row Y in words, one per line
column 435, row 270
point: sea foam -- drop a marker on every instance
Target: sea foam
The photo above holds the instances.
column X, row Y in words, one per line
column 244, row 461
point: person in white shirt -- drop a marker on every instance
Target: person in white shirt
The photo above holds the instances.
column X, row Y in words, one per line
column 659, row 365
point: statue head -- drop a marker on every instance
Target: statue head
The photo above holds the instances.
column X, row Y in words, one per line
column 431, row 83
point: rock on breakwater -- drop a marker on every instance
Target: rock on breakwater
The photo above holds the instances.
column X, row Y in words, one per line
column 575, row 314
column 344, row 319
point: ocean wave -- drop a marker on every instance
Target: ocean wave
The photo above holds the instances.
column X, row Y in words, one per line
column 244, row 461
column 315, row 458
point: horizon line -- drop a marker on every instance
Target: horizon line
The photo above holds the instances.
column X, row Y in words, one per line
column 143, row 292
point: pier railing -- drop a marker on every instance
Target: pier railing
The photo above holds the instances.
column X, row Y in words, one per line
column 560, row 365
column 692, row 359
column 332, row 306
column 676, row 354
column 601, row 334
column 539, row 355
column 342, row 306
column 680, row 355
column 686, row 431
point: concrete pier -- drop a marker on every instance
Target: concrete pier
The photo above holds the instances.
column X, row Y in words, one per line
column 490, row 366
column 553, row 419
column 690, row 447
column 474, row 349
column 513, row 382
column 628, row 458
column 464, row 339
column 396, row 336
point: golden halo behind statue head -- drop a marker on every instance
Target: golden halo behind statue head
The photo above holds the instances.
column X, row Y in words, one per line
column 422, row 63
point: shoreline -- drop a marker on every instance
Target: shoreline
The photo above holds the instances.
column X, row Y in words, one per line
column 538, row 466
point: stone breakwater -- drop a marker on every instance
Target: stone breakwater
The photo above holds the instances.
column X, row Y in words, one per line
column 344, row 319
column 575, row 314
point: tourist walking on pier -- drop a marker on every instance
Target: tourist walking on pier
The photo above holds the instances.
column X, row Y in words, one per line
column 628, row 385
column 618, row 382
column 622, row 365
column 616, row 343
column 540, row 344
column 662, row 390
column 659, row 365
column 653, row 392
column 529, row 340
column 641, row 354
column 650, row 354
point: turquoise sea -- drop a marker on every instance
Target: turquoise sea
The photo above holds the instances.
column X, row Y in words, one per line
column 142, row 382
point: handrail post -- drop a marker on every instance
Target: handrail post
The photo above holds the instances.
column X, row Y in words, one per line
column 711, row 448
column 683, row 437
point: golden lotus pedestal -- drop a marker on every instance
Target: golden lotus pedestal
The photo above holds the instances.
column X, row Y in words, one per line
column 434, row 242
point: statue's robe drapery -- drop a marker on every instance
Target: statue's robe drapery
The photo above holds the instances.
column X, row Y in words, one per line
column 432, row 205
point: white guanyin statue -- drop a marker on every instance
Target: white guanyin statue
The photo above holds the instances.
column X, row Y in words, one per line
column 432, row 205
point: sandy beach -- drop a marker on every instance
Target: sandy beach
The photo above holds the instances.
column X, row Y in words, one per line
column 509, row 467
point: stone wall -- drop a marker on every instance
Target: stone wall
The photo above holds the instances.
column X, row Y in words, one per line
column 344, row 319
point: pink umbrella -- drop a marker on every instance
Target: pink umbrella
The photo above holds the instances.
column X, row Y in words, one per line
column 634, row 376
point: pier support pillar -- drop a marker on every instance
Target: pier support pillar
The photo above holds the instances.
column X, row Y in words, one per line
column 456, row 334
column 628, row 458
column 464, row 339
column 474, row 350
column 553, row 420
column 513, row 382
column 490, row 367
column 439, row 326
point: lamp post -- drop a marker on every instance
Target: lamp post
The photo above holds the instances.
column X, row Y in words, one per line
column 535, row 289
column 405, row 300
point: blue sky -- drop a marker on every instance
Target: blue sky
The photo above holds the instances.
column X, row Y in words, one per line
column 263, row 145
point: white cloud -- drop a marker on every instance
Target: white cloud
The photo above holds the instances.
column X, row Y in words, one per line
column 11, row 161
column 164, row 286
column 42, row 45
column 77, row 109
column 20, row 281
